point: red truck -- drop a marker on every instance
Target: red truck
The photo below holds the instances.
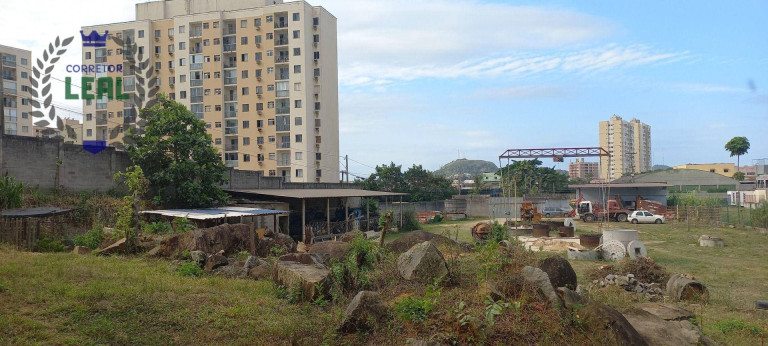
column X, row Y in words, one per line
column 590, row 211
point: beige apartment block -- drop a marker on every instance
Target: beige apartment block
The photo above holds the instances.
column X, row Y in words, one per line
column 263, row 76
column 15, row 64
column 581, row 169
column 629, row 143
column 724, row 169
column 73, row 134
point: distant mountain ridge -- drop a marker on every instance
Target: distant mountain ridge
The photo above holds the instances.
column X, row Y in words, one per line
column 462, row 166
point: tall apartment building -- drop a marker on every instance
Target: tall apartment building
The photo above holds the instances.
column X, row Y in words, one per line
column 15, row 65
column 583, row 170
column 629, row 143
column 263, row 76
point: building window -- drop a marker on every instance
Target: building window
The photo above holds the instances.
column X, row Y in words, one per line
column 217, row 108
column 206, row 42
column 297, row 104
column 157, row 33
column 246, row 107
column 297, row 86
column 299, row 138
column 141, row 33
column 269, row 19
column 182, row 45
column 217, row 124
column 296, row 68
column 246, row 140
column 296, row 17
column 271, row 156
column 205, row 25
column 319, row 173
column 296, row 51
column 245, row 91
column 726, row 170
column 243, row 40
column 244, row 74
column 246, row 158
column 299, row 155
column 299, row 173
column 218, row 141
column 215, row 24
column 297, row 121
column 271, row 139
column 269, row 36
column 317, row 55
column 247, row 124
column 182, row 29
column 88, row 55
column 243, row 23
column 257, row 22
column 89, row 133
column 183, row 78
column 296, row 34
column 243, row 57
column 183, row 94
column 318, row 156
column 170, row 32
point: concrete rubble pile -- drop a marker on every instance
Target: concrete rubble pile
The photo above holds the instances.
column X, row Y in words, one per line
column 652, row 291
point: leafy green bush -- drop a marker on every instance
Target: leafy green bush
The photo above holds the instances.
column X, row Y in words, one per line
column 183, row 225
column 242, row 256
column 498, row 232
column 759, row 215
column 159, row 227
column 410, row 222
column 11, row 192
column 190, row 269
column 355, row 270
column 91, row 239
column 417, row 309
column 50, row 244
column 737, row 325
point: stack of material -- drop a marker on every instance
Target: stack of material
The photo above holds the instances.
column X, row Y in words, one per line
column 652, row 206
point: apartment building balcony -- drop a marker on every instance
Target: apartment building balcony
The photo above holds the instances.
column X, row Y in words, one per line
column 196, row 32
column 283, row 128
column 282, row 42
column 230, row 131
column 196, row 99
column 101, row 121
column 230, row 64
column 281, row 60
column 230, row 81
column 230, row 147
column 282, row 76
column 282, row 110
column 283, row 144
column 230, row 48
column 230, row 163
column 281, row 24
column 230, row 98
column 9, row 89
column 9, row 62
column 196, row 66
column 230, row 114
column 283, row 163
column 196, row 82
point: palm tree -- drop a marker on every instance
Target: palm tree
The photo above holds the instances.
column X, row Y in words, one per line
column 737, row 146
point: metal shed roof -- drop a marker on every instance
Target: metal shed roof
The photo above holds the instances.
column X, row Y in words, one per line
column 612, row 185
column 318, row 193
column 33, row 212
column 214, row 213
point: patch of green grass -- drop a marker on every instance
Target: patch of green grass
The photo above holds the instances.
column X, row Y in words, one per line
column 70, row 299
column 190, row 269
column 735, row 325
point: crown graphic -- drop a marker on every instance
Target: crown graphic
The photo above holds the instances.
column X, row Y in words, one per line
column 94, row 39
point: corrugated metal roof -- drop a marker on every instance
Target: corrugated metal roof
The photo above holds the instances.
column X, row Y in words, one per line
column 33, row 212
column 214, row 213
column 597, row 186
column 318, row 193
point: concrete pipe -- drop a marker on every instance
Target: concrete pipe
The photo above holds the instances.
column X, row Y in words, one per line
column 636, row 249
column 623, row 235
column 614, row 250
column 683, row 287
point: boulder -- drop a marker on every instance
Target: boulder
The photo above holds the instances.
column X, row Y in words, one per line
column 215, row 261
column 570, row 299
column 685, row 287
column 421, row 342
column 423, row 263
column 335, row 249
column 231, row 271
column 262, row 271
column 312, row 280
column 322, row 260
column 658, row 330
column 252, row 261
column 119, row 246
column 198, row 257
column 410, row 239
column 347, row 237
column 540, row 281
column 560, row 272
column 229, row 238
column 711, row 241
column 81, row 250
column 364, row 312
column 274, row 240
column 602, row 316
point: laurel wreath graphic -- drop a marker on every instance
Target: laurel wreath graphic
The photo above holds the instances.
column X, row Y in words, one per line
column 40, row 86
column 141, row 99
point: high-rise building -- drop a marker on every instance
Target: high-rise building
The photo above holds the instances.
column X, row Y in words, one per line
column 262, row 75
column 629, row 143
column 580, row 169
column 15, row 65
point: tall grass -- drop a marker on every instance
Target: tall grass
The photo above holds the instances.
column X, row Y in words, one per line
column 11, row 191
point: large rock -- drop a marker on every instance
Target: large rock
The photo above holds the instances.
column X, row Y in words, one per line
column 540, row 281
column 198, row 257
column 215, row 261
column 347, row 237
column 602, row 316
column 229, row 238
column 560, row 272
column 364, row 312
column 231, row 271
column 570, row 299
column 335, row 249
column 81, row 250
column 119, row 246
column 322, row 260
column 310, row 279
column 661, row 324
column 252, row 262
column 410, row 239
column 423, row 263
column 262, row 271
column 421, row 342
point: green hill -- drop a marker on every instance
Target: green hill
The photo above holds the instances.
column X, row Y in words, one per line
column 462, row 166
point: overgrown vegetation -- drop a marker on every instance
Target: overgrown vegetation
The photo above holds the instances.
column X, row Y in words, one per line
column 410, row 222
column 91, row 239
column 419, row 183
column 190, row 269
column 759, row 215
column 11, row 191
column 691, row 199
column 354, row 272
column 418, row 309
column 50, row 244
column 128, row 223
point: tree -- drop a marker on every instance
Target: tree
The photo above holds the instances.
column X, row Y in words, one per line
column 420, row 184
column 175, row 153
column 738, row 176
column 737, row 146
column 531, row 178
column 128, row 220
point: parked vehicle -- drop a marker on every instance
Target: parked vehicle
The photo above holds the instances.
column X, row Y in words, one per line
column 590, row 211
column 642, row 216
column 553, row 211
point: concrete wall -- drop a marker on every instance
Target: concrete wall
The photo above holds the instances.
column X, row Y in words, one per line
column 250, row 180
column 33, row 161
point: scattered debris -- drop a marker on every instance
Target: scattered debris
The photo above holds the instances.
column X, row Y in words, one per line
column 711, row 241
column 686, row 287
column 652, row 291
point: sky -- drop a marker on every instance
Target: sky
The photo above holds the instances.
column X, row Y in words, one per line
column 428, row 81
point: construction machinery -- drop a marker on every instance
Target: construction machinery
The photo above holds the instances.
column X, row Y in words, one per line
column 529, row 212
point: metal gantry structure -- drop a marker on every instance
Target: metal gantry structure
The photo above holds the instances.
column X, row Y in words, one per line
column 557, row 154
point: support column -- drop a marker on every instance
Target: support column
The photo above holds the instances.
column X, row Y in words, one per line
column 304, row 219
column 346, row 214
column 367, row 216
column 328, row 214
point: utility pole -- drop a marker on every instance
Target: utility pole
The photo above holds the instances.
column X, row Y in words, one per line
column 346, row 167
